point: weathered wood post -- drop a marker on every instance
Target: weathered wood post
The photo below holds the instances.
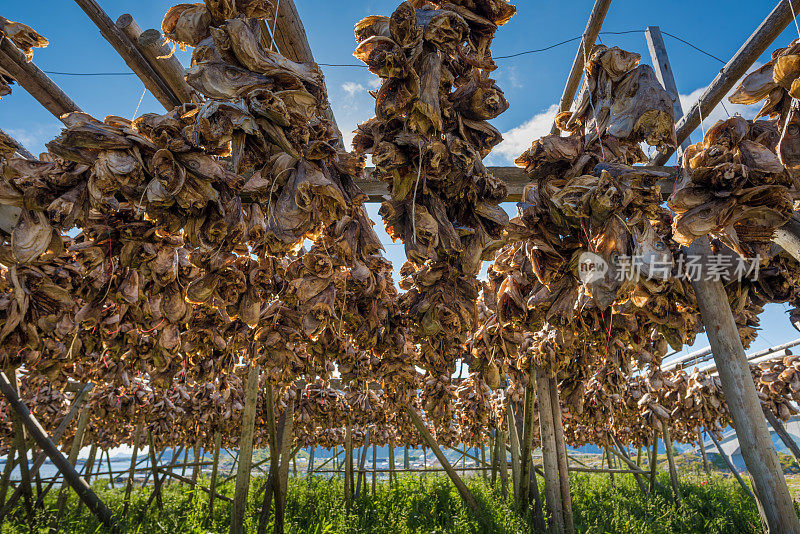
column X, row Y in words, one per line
column 406, row 460
column 110, row 471
column 157, row 481
column 730, row 465
column 374, row 467
column 11, row 458
column 783, row 434
column 75, row 449
column 245, row 451
column 561, row 456
column 502, row 459
column 392, row 474
column 310, row 467
column 85, row 493
column 469, row 499
column 552, row 486
column 527, row 440
column 361, row 460
column 654, row 461
column 513, row 439
column 283, row 472
column 348, row 465
column 703, row 452
column 214, row 473
column 137, row 436
column 777, row 509
column 21, row 444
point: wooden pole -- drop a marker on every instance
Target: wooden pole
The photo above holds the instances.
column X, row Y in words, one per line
column 731, row 466
column 783, row 434
column 214, row 472
column 34, row 81
column 788, row 237
column 663, row 68
column 245, row 451
column 527, row 440
column 374, row 467
column 275, row 433
column 654, row 461
column 110, row 471
column 751, row 50
column 137, row 436
column 348, row 466
column 286, row 447
column 515, row 460
column 494, row 454
column 406, row 461
column 362, row 459
column 502, row 459
column 75, row 449
column 196, row 469
column 740, row 394
column 561, row 456
column 703, row 452
column 392, row 474
column 428, row 438
column 130, row 54
column 90, row 463
column 593, row 26
column 11, row 458
column 292, row 42
column 21, row 444
column 483, row 461
column 85, row 493
column 622, row 455
column 552, row 486
column 310, row 468
column 154, row 466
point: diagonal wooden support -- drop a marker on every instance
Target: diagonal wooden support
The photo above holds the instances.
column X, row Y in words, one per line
column 57, row 435
column 245, row 451
column 776, row 507
column 83, row 490
column 132, row 57
column 469, row 499
column 751, row 50
column 593, row 27
column 34, row 81
column 292, row 42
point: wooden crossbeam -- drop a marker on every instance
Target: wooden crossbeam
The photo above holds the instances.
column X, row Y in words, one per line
column 132, row 57
column 34, row 81
column 292, row 42
column 514, row 178
column 593, row 26
column 751, row 50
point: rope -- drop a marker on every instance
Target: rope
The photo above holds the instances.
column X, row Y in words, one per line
column 135, row 113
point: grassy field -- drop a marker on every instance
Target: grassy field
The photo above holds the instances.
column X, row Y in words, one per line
column 428, row 505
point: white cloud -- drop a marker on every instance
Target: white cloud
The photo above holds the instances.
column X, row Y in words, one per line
column 35, row 137
column 519, row 139
column 374, row 83
column 352, row 88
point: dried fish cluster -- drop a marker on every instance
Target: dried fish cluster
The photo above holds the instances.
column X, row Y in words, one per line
column 427, row 141
column 734, row 186
column 23, row 37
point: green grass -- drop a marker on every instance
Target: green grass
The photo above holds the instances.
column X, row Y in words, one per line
column 428, row 505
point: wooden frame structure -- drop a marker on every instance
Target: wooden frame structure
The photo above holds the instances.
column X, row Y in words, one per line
column 163, row 79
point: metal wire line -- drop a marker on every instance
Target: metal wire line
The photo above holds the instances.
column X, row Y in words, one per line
column 508, row 56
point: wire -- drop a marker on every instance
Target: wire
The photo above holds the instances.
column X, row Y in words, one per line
column 508, row 56
column 539, row 49
column 89, row 73
column 695, row 47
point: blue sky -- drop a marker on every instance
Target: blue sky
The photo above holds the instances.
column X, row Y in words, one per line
column 533, row 83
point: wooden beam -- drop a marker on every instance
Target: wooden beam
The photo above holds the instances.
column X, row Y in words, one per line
column 776, row 508
column 469, row 499
column 80, row 486
column 292, row 42
column 730, row 465
column 245, row 451
column 514, row 178
column 33, row 80
column 561, row 456
column 552, row 482
column 751, row 50
column 663, row 68
column 593, row 26
column 784, row 435
column 132, row 57
column 788, row 237
column 152, row 46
